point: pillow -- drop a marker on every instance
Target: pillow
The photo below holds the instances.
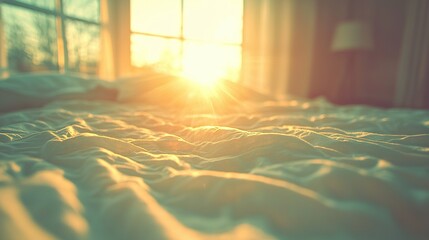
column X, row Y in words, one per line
column 36, row 89
column 46, row 84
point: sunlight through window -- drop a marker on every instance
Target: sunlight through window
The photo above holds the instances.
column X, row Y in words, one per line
column 199, row 40
column 40, row 35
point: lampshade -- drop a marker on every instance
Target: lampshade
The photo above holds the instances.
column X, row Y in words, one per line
column 352, row 35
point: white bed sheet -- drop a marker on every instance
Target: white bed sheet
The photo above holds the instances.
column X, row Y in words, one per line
column 274, row 170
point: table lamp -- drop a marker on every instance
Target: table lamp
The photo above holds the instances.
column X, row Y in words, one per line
column 351, row 38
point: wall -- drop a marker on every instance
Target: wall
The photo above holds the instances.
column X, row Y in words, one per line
column 302, row 47
column 376, row 69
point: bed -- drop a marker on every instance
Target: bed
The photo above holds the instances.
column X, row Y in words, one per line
column 153, row 158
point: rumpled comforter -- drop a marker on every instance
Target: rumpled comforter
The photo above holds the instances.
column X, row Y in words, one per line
column 292, row 169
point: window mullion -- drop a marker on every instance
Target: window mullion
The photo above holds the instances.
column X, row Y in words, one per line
column 28, row 6
column 188, row 39
column 182, row 37
column 63, row 60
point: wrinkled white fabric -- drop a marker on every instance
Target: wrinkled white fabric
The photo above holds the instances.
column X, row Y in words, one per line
column 275, row 170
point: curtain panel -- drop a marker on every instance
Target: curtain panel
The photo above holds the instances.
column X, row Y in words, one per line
column 277, row 46
column 266, row 43
column 412, row 86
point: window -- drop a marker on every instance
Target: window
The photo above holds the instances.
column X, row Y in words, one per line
column 194, row 38
column 49, row 35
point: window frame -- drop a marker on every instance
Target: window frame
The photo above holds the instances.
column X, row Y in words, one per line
column 182, row 38
column 60, row 19
column 115, row 37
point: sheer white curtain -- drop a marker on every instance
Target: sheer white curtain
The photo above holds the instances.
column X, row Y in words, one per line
column 266, row 44
column 412, row 86
column 3, row 50
column 278, row 40
column 115, row 39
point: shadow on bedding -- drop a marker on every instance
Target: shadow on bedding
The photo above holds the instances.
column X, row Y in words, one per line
column 32, row 90
column 12, row 101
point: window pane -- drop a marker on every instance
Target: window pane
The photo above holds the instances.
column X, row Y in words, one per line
column 85, row 9
column 31, row 40
column 159, row 53
column 219, row 20
column 211, row 61
column 156, row 16
column 47, row 4
column 83, row 44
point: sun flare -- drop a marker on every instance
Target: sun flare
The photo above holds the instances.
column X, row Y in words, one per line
column 201, row 78
column 202, row 70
